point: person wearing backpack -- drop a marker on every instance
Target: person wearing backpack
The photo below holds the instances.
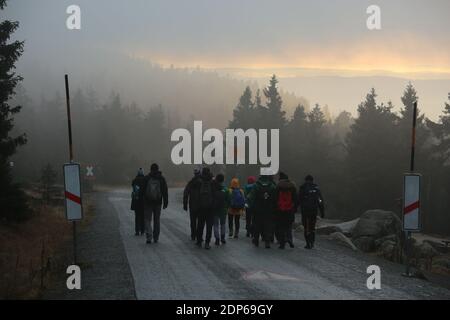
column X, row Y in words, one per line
column 311, row 202
column 261, row 199
column 287, row 202
column 206, row 208
column 137, row 202
column 191, row 199
column 237, row 207
column 221, row 204
column 155, row 195
column 248, row 209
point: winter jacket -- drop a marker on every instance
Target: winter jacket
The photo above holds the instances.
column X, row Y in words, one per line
column 222, row 194
column 191, row 194
column 164, row 190
column 310, row 199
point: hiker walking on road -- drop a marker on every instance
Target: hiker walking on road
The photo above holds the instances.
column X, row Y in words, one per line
column 221, row 204
column 191, row 198
column 311, row 202
column 155, row 195
column 137, row 202
column 248, row 209
column 287, row 202
column 206, row 208
column 261, row 198
column 237, row 207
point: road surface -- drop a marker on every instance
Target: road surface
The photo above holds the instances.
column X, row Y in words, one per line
column 175, row 268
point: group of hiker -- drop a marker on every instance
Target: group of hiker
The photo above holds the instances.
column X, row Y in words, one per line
column 269, row 207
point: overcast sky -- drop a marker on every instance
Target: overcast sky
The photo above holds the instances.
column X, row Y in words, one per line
column 246, row 33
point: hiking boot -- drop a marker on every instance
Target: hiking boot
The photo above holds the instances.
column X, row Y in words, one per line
column 248, row 234
column 155, row 241
column 217, row 242
column 223, row 241
column 282, row 245
column 148, row 241
column 291, row 244
column 255, row 242
column 236, row 236
column 267, row 245
column 230, row 235
column 308, row 246
column 198, row 244
column 193, row 238
column 207, row 246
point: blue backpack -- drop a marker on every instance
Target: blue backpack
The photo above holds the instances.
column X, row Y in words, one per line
column 237, row 199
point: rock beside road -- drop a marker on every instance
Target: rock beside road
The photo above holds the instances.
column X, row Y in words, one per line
column 375, row 227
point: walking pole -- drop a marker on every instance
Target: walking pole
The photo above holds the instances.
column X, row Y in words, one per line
column 408, row 243
column 69, row 125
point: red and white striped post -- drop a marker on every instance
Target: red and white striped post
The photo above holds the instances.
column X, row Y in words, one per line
column 411, row 198
column 72, row 184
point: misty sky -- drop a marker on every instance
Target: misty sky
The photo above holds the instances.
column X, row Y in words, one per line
column 250, row 33
column 325, row 36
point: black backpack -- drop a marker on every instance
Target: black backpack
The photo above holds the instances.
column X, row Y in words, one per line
column 206, row 195
column 310, row 199
column 153, row 190
column 264, row 196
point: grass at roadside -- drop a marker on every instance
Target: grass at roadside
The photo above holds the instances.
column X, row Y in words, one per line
column 32, row 251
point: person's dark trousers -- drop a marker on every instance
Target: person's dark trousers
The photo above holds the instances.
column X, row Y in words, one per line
column 289, row 237
column 230, row 225
column 202, row 218
column 309, row 225
column 237, row 223
column 268, row 227
column 248, row 220
column 209, row 227
column 139, row 224
column 152, row 212
column 257, row 228
column 193, row 214
column 282, row 224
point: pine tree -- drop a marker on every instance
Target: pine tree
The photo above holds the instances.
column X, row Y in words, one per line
column 243, row 114
column 373, row 173
column 275, row 115
column 9, row 53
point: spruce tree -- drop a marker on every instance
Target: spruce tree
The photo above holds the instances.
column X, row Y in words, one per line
column 275, row 115
column 12, row 202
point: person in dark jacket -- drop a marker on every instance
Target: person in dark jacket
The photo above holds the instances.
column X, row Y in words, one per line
column 311, row 202
column 155, row 195
column 206, row 208
column 287, row 202
column 261, row 198
column 137, row 202
column 191, row 200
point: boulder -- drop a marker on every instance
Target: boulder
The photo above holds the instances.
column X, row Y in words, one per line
column 374, row 225
column 341, row 238
column 441, row 265
column 389, row 250
column 424, row 251
column 364, row 243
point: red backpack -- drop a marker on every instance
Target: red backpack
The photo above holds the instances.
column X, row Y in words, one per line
column 285, row 202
